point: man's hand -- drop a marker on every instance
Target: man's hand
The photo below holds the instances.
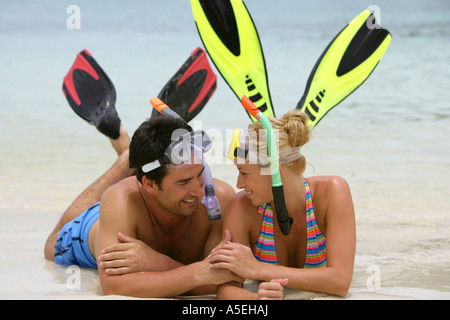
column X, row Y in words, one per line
column 131, row 255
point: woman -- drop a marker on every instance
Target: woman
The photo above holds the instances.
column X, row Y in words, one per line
column 318, row 253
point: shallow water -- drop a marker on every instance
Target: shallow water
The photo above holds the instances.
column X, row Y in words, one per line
column 389, row 140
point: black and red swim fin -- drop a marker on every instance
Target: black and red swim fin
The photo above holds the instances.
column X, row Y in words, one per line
column 91, row 94
column 190, row 88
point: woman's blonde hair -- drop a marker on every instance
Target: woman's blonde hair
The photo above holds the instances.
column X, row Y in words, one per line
column 292, row 131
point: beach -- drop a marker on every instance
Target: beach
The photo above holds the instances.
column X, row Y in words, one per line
column 389, row 140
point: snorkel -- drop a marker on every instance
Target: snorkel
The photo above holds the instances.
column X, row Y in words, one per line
column 284, row 221
column 210, row 199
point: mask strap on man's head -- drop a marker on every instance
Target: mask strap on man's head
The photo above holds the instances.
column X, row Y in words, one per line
column 210, row 199
column 185, row 147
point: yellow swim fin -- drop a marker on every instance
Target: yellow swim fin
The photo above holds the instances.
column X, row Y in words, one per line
column 232, row 42
column 344, row 65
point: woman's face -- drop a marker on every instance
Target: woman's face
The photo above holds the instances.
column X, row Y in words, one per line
column 256, row 185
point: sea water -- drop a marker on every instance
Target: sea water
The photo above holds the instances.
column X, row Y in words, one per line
column 389, row 139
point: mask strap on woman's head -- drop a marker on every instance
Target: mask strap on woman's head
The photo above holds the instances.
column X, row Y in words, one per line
column 242, row 147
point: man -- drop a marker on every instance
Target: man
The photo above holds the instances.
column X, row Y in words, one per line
column 150, row 232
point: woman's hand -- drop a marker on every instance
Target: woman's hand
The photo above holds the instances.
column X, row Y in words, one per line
column 235, row 257
column 272, row 290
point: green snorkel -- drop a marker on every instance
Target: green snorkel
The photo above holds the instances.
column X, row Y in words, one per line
column 284, row 221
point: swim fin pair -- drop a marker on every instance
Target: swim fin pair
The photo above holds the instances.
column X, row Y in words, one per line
column 232, row 42
column 91, row 94
column 231, row 39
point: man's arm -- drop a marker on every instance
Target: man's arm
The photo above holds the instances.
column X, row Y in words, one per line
column 133, row 255
column 164, row 284
column 114, row 218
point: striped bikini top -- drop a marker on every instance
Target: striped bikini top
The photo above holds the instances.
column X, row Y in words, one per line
column 264, row 248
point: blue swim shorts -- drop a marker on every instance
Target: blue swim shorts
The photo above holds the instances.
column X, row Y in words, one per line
column 72, row 246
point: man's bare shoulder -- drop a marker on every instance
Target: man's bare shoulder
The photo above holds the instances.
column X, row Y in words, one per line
column 127, row 187
column 122, row 197
column 120, row 208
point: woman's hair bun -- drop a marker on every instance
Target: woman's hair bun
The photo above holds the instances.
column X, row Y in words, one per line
column 296, row 127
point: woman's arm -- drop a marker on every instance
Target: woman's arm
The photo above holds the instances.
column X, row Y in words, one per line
column 340, row 232
column 237, row 227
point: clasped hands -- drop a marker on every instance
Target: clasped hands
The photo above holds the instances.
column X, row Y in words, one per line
column 239, row 259
column 132, row 255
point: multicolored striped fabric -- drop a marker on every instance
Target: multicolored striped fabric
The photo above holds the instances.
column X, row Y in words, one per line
column 316, row 253
column 264, row 248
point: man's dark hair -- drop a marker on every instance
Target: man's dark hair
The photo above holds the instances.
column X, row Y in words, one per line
column 150, row 141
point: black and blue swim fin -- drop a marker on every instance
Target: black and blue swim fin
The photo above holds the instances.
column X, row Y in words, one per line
column 232, row 42
column 344, row 65
column 91, row 94
column 190, row 88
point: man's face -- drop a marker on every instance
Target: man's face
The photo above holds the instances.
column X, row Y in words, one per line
column 181, row 189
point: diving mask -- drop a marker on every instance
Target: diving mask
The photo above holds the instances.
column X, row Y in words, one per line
column 184, row 148
column 243, row 148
